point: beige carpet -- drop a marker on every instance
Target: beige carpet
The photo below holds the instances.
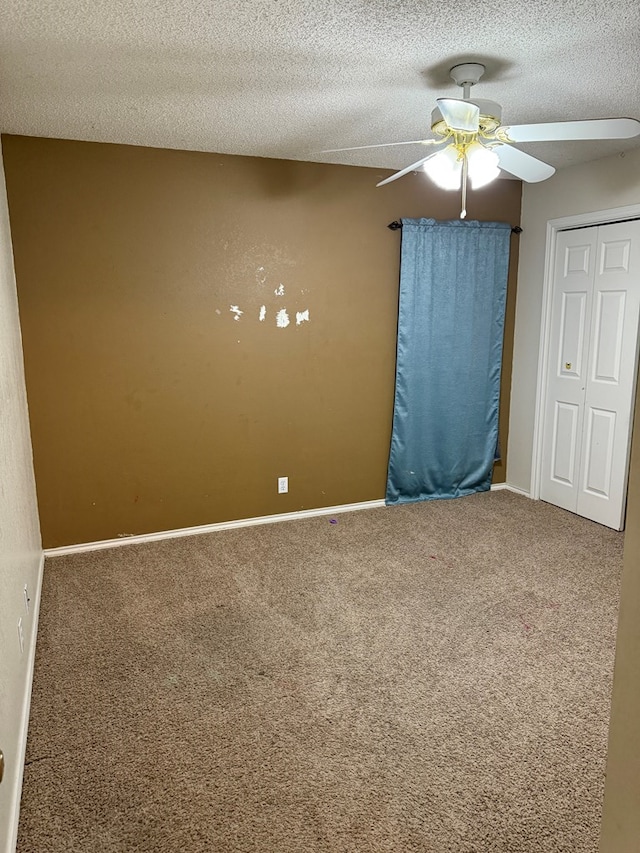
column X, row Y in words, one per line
column 433, row 678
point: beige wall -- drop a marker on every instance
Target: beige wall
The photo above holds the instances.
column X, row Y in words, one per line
column 621, row 818
column 600, row 185
column 152, row 408
column 20, row 551
column 609, row 183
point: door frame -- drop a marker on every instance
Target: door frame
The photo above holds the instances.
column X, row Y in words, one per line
column 563, row 223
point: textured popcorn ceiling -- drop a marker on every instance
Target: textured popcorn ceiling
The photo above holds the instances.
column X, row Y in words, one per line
column 278, row 78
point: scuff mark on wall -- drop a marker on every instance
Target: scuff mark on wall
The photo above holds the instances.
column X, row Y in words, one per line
column 218, row 311
column 263, row 313
column 302, row 317
column 282, row 319
column 279, row 291
column 236, row 312
column 261, row 275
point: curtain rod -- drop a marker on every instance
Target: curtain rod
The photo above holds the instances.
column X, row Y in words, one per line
column 397, row 224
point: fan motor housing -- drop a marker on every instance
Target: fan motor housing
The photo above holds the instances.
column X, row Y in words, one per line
column 490, row 117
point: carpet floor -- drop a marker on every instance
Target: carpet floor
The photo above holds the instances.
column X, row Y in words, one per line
column 433, row 677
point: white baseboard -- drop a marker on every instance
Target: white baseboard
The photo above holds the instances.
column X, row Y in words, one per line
column 21, row 746
column 210, row 528
column 230, row 525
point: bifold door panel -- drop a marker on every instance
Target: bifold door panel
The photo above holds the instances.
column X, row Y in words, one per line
column 568, row 358
column 590, row 386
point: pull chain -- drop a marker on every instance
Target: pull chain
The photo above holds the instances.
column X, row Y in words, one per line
column 465, row 169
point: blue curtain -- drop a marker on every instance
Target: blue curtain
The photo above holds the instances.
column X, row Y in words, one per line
column 453, row 283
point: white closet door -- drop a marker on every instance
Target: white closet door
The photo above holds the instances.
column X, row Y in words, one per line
column 567, row 366
column 611, row 375
column 592, row 371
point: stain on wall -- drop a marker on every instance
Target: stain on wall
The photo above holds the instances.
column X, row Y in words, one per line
column 196, row 325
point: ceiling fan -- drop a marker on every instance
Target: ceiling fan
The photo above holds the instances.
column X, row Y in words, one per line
column 473, row 144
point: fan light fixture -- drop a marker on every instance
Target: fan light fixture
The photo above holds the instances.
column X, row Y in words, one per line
column 447, row 167
column 467, row 128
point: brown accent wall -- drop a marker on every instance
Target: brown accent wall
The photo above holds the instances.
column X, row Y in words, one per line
column 151, row 407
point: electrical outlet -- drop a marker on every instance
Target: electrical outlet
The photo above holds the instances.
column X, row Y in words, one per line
column 27, row 600
column 20, row 634
column 283, row 485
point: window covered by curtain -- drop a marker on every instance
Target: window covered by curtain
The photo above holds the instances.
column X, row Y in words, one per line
column 453, row 282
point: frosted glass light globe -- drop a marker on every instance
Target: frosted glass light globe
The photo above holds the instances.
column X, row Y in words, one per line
column 483, row 165
column 445, row 169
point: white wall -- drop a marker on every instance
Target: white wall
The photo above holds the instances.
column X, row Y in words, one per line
column 20, row 550
column 599, row 185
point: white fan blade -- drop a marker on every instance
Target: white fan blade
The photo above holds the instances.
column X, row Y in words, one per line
column 522, row 165
column 460, row 115
column 406, row 170
column 599, row 128
column 385, row 145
